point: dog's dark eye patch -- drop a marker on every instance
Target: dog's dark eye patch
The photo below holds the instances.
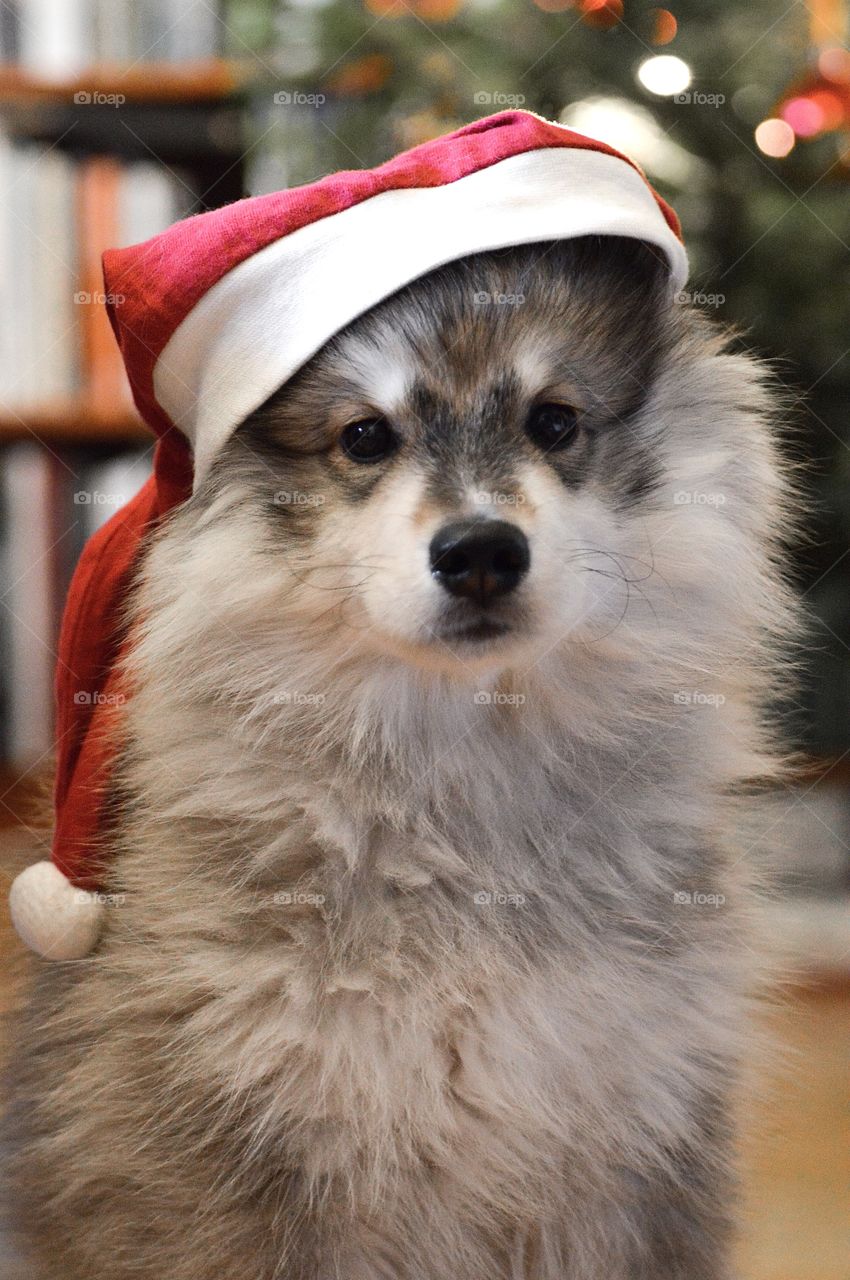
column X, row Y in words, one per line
column 574, row 465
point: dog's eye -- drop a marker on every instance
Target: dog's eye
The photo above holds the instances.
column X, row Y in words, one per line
column 552, row 426
column 369, row 440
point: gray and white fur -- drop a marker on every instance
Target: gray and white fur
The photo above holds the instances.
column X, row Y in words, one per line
column 431, row 949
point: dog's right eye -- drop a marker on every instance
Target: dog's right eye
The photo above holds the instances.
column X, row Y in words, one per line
column 369, row 440
column 552, row 426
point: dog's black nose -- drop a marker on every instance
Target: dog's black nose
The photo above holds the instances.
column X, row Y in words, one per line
column 479, row 559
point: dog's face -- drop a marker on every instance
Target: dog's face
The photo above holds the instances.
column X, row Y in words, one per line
column 455, row 477
column 528, row 479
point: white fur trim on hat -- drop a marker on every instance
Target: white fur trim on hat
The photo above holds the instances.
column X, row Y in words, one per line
column 52, row 916
column 265, row 318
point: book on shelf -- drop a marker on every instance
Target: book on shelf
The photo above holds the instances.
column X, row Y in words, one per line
column 98, row 185
column 52, row 36
column 56, row 40
column 107, row 484
column 49, row 247
column 58, row 216
column 27, row 602
column 51, row 502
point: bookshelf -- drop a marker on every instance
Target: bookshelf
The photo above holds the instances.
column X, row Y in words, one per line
column 205, row 81
column 116, row 151
column 188, row 118
column 80, row 421
column 187, row 114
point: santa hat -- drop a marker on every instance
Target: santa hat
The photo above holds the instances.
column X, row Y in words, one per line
column 216, row 313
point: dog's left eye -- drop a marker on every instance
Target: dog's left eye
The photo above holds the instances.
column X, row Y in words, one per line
column 552, row 426
column 369, row 440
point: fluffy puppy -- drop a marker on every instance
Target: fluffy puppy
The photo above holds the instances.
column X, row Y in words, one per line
column 430, row 948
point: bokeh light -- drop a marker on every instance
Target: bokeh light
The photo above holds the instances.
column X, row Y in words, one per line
column 633, row 129
column 834, row 64
column 665, row 26
column 437, row 10
column 601, row 13
column 664, row 75
column 427, row 10
column 834, row 110
column 805, row 117
column 775, row 138
column 365, row 75
column 385, row 8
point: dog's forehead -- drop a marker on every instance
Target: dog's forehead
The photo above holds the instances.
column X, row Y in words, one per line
column 460, row 359
column 382, row 371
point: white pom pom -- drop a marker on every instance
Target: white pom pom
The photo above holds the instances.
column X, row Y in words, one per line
column 52, row 916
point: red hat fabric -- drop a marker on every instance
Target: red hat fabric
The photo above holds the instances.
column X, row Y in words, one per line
column 217, row 312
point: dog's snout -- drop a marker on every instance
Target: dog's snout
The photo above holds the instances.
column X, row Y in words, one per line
column 479, row 559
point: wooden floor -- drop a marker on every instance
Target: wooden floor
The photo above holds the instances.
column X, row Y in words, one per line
column 795, row 1142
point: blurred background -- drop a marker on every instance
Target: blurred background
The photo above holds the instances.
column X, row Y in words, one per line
column 119, row 116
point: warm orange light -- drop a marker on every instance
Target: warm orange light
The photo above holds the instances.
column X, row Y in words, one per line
column 436, row 10
column 365, row 75
column 385, row 8
column 427, row 10
column 833, row 109
column 826, row 21
column 601, row 13
column 665, row 28
column 775, row 138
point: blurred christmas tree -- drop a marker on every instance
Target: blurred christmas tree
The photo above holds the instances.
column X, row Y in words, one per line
column 765, row 206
